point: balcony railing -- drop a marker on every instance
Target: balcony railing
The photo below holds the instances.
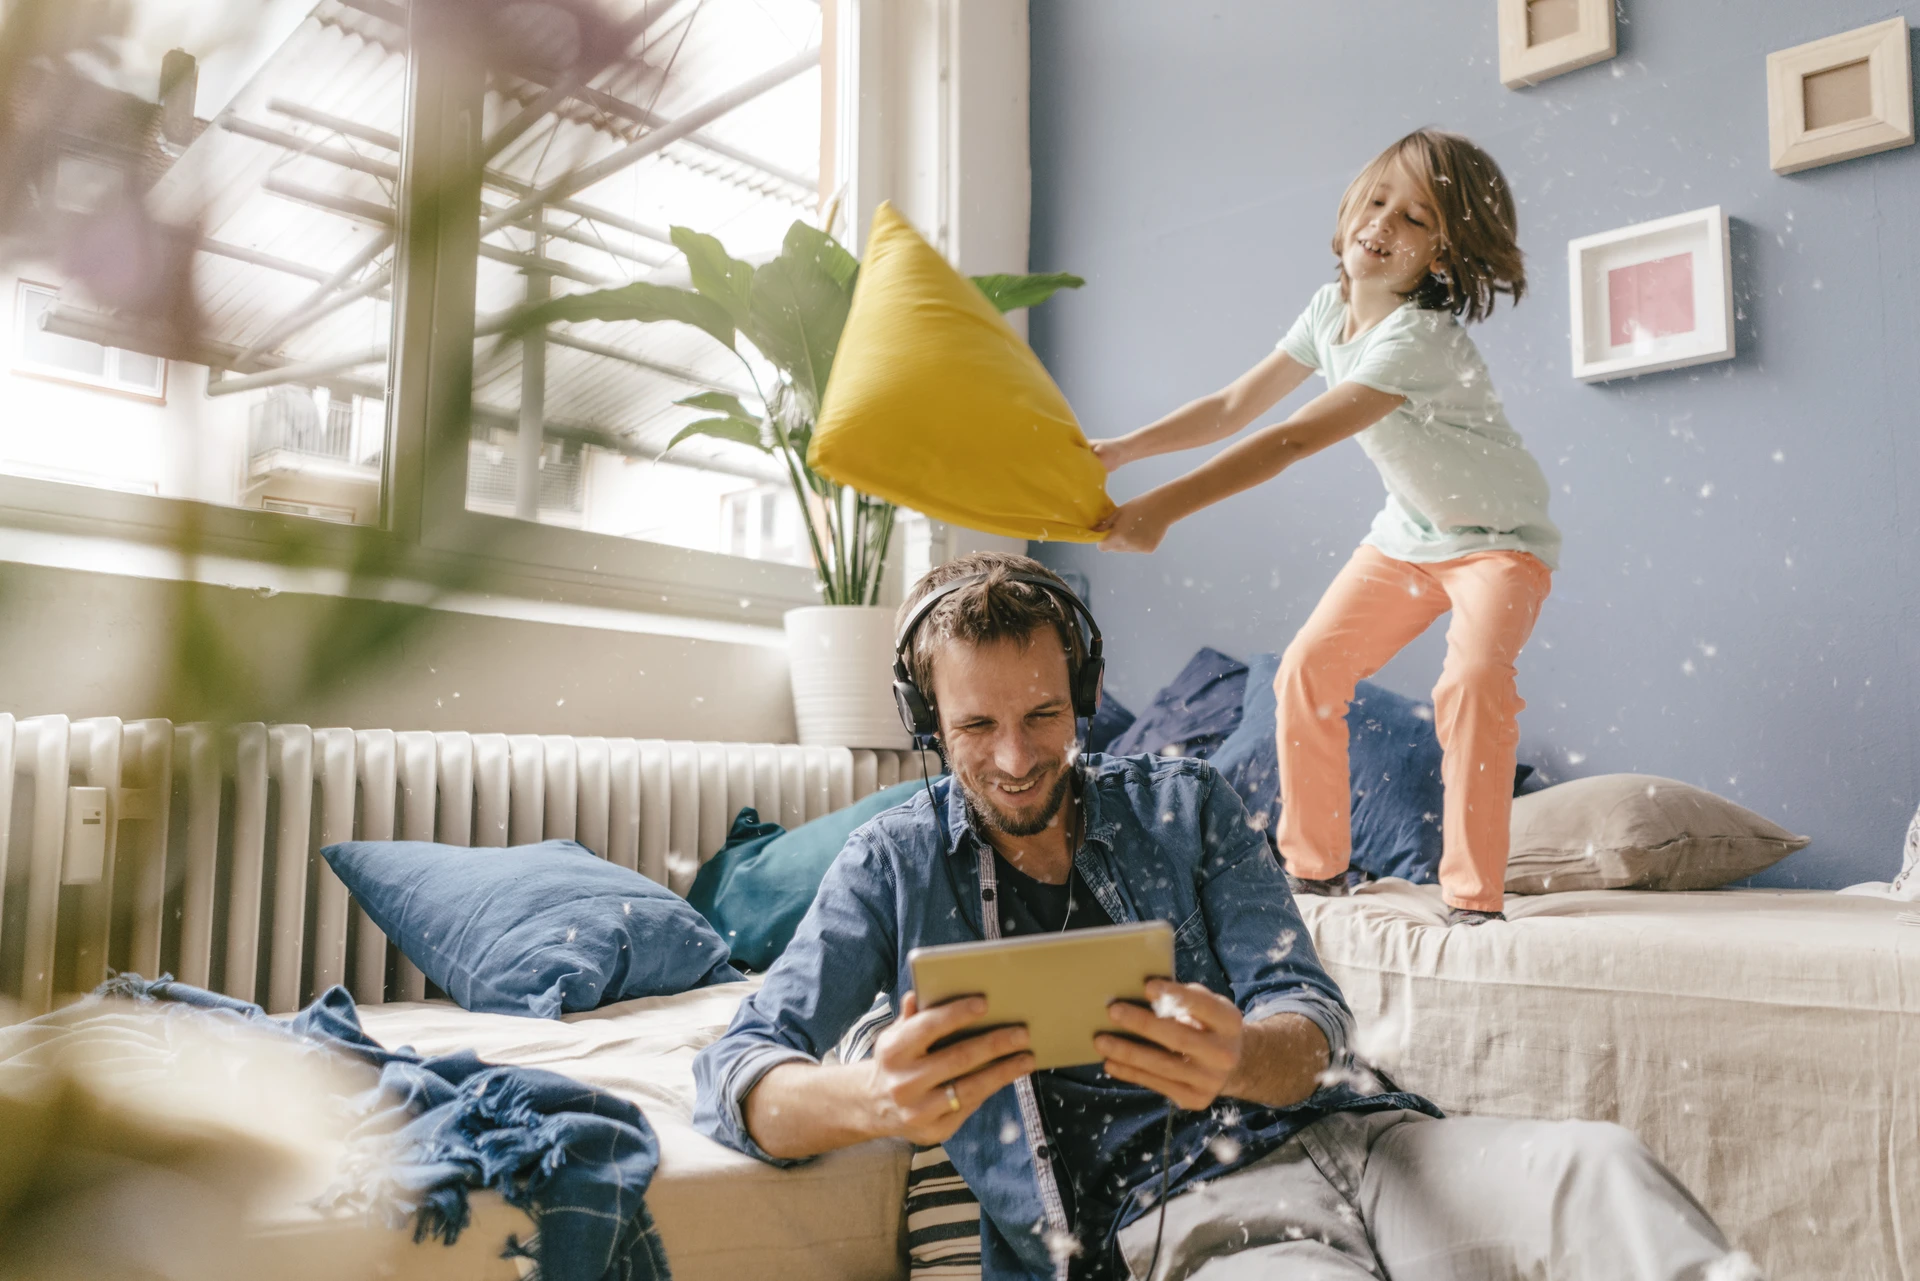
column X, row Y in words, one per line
column 493, row 472
column 289, row 422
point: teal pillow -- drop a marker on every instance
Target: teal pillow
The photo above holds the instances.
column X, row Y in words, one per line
column 756, row 889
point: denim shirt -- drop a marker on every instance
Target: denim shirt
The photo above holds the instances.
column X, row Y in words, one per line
column 1164, row 840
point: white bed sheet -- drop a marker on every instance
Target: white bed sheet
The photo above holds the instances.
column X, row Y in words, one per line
column 1765, row 1044
column 720, row 1215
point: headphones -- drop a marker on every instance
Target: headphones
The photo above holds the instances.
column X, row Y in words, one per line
column 916, row 709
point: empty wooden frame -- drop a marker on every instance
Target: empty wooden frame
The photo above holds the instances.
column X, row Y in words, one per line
column 1544, row 38
column 1656, row 295
column 1845, row 96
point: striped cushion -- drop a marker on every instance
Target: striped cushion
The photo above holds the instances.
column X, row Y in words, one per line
column 943, row 1220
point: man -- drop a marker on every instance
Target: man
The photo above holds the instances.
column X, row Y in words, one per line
column 1284, row 1156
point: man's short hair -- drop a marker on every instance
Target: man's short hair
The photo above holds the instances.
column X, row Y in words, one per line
column 997, row 607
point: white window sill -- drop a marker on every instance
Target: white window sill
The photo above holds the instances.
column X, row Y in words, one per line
column 102, row 555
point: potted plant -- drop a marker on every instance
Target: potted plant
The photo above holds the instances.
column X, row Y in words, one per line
column 791, row 309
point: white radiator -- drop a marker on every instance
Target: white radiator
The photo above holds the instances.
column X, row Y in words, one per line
column 150, row 846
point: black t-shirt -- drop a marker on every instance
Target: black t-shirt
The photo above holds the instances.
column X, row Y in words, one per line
column 1028, row 906
column 1078, row 1103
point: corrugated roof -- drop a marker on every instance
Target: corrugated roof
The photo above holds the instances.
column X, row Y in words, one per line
column 306, row 176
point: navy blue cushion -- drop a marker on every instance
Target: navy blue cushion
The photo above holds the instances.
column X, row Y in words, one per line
column 536, row 930
column 1109, row 722
column 1393, row 756
column 1194, row 715
column 1394, row 759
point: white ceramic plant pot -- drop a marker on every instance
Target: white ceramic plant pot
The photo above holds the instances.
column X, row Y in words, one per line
column 841, row 658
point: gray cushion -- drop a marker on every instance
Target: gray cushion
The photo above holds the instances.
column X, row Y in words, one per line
column 1634, row 831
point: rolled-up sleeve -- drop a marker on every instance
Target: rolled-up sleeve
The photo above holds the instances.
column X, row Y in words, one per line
column 1256, row 930
column 842, row 955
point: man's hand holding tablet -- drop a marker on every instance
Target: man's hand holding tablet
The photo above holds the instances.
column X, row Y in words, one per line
column 923, row 1094
column 1186, row 1046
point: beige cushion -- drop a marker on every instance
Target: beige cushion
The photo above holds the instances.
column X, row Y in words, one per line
column 1634, row 831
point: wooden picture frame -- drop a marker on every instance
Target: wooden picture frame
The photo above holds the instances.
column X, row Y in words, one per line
column 1656, row 295
column 1540, row 39
column 1840, row 97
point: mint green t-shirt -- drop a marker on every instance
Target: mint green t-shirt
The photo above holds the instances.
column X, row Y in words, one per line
column 1458, row 479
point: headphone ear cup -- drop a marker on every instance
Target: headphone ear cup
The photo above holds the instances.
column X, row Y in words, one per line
column 1086, row 694
column 915, row 714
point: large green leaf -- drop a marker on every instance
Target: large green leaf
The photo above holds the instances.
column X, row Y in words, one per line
column 639, row 301
column 1012, row 292
column 737, row 430
column 799, row 306
column 724, row 403
column 716, row 273
column 804, row 238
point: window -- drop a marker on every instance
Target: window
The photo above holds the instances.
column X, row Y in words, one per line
column 763, row 522
column 54, row 355
column 84, row 185
column 280, row 373
column 351, row 256
column 576, row 196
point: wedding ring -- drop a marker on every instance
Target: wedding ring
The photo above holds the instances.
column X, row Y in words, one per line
column 953, row 1099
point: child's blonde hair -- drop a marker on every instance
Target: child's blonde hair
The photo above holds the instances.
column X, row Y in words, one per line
column 1479, row 256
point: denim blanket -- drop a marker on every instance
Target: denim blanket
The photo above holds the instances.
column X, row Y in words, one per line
column 578, row 1160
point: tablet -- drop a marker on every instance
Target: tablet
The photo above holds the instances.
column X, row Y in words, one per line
column 1059, row 985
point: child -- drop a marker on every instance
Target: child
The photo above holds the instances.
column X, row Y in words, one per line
column 1424, row 238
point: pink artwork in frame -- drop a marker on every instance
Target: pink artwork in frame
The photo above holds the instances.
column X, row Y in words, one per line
column 1648, row 300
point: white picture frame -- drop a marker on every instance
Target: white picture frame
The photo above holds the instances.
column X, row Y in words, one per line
column 1540, row 39
column 1653, row 296
column 1840, row 97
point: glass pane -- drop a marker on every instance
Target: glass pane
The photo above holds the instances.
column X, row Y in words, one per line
column 53, row 351
column 137, row 371
column 578, row 197
column 85, row 185
column 266, row 155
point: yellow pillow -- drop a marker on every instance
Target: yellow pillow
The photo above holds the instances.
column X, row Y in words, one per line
column 936, row 404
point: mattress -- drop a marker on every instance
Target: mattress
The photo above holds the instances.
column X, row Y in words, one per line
column 719, row 1214
column 1765, row 1044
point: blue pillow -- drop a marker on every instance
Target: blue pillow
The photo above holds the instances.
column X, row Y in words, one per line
column 1393, row 756
column 1194, row 715
column 1110, row 721
column 756, row 889
column 536, row 930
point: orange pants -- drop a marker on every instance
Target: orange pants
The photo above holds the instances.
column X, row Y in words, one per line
column 1374, row 609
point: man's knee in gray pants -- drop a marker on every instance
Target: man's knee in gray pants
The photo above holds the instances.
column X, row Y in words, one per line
column 1482, row 1197
column 1401, row 1197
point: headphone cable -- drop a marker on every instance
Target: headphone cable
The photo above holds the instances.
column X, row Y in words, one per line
column 1166, row 1172
column 939, row 815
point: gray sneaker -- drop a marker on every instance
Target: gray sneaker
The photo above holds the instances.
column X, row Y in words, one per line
column 1471, row 916
column 1331, row 887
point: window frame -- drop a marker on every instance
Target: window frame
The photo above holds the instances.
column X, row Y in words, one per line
column 424, row 524
column 26, row 367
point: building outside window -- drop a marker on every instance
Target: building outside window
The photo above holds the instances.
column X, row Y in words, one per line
column 286, row 173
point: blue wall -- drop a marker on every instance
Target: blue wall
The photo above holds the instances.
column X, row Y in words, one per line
column 1739, row 604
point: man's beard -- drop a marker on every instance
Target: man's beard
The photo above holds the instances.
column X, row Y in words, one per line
column 985, row 813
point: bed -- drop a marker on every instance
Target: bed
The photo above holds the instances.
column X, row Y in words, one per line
column 719, row 1214
column 1765, row 1044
